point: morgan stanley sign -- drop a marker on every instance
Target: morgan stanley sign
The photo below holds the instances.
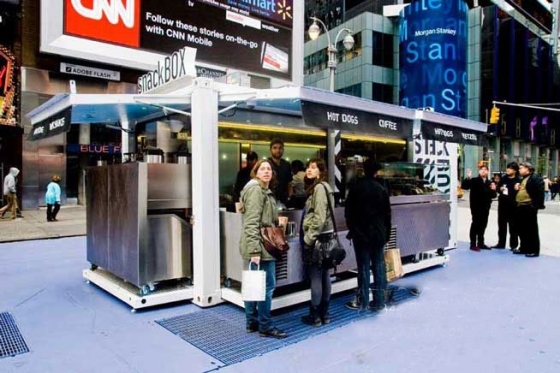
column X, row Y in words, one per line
column 433, row 45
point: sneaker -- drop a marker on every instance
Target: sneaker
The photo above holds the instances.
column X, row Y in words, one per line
column 376, row 307
column 273, row 333
column 253, row 327
column 498, row 246
column 354, row 304
column 475, row 248
column 484, row 247
column 531, row 255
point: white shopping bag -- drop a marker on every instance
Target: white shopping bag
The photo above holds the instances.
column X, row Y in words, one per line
column 253, row 285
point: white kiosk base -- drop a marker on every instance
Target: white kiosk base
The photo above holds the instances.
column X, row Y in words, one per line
column 234, row 295
column 130, row 294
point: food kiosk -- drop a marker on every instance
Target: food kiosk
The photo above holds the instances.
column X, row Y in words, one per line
column 220, row 122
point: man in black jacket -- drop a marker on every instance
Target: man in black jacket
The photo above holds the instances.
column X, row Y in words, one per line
column 529, row 199
column 480, row 198
column 368, row 218
column 507, row 207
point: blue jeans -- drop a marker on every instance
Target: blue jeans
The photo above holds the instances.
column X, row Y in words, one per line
column 371, row 258
column 259, row 312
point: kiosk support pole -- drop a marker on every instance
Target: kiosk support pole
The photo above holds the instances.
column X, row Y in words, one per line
column 206, row 219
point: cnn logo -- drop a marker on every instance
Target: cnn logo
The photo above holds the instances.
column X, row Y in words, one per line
column 113, row 21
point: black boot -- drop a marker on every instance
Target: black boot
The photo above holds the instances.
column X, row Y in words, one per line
column 324, row 312
column 313, row 318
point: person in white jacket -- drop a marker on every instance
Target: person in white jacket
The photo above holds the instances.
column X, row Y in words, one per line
column 10, row 183
column 52, row 198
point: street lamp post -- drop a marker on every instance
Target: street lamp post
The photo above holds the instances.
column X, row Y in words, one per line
column 348, row 41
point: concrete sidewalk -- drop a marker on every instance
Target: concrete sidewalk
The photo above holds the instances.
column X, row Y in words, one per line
column 34, row 225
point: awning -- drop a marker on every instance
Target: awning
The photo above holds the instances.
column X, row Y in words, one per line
column 441, row 127
column 56, row 115
column 54, row 125
column 442, row 132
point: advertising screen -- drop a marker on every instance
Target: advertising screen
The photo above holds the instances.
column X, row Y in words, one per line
column 249, row 35
column 433, row 46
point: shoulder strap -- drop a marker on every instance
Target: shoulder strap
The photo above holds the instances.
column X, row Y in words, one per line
column 330, row 208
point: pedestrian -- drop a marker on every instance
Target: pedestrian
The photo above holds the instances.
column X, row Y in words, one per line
column 10, row 183
column 244, row 175
column 482, row 191
column 317, row 225
column 282, row 171
column 298, row 195
column 530, row 199
column 52, row 198
column 554, row 187
column 368, row 218
column 507, row 207
column 547, row 183
column 259, row 210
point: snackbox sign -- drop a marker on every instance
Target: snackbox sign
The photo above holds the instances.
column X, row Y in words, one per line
column 250, row 35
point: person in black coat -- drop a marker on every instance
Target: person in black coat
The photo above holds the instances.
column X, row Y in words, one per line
column 529, row 199
column 507, row 207
column 482, row 192
column 368, row 218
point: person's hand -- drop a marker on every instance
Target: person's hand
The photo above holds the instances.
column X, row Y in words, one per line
column 256, row 260
column 469, row 173
column 516, row 186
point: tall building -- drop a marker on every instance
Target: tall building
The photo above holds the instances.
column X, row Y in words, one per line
column 509, row 57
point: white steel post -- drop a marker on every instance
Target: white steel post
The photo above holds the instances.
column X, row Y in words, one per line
column 205, row 181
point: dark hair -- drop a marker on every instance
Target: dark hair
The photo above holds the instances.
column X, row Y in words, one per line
column 324, row 176
column 276, row 141
column 484, row 165
column 272, row 183
column 513, row 165
column 252, row 156
column 297, row 166
column 371, row 167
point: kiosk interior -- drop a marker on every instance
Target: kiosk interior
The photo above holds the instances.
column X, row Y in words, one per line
column 139, row 240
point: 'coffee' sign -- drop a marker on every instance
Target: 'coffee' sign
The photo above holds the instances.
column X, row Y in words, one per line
column 178, row 65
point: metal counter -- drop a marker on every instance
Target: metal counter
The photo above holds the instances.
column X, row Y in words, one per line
column 420, row 223
column 129, row 232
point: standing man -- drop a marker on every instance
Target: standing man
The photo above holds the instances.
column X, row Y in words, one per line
column 282, row 170
column 244, row 175
column 10, row 183
column 480, row 199
column 368, row 218
column 507, row 207
column 530, row 199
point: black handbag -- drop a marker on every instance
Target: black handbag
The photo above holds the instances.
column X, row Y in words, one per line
column 328, row 251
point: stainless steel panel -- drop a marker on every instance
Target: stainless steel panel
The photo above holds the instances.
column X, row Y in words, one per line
column 127, row 219
column 290, row 269
column 97, row 217
column 421, row 227
column 399, row 200
column 168, row 182
column 169, row 250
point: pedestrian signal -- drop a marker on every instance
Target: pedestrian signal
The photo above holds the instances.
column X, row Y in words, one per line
column 494, row 115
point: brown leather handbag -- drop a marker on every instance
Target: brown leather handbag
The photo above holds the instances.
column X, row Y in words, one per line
column 274, row 241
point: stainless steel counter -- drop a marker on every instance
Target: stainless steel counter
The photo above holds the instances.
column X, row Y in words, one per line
column 132, row 231
column 421, row 224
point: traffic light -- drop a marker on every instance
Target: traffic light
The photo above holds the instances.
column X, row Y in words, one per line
column 494, row 115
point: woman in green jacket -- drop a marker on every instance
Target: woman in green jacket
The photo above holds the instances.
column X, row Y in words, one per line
column 259, row 210
column 317, row 224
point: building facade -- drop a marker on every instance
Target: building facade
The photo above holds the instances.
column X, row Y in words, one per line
column 508, row 58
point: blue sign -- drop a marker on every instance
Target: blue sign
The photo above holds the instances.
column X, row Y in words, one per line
column 433, row 62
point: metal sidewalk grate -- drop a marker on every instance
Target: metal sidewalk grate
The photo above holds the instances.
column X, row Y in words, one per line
column 220, row 331
column 11, row 340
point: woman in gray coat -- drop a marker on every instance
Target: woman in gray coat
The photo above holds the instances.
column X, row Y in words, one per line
column 259, row 210
column 317, row 224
